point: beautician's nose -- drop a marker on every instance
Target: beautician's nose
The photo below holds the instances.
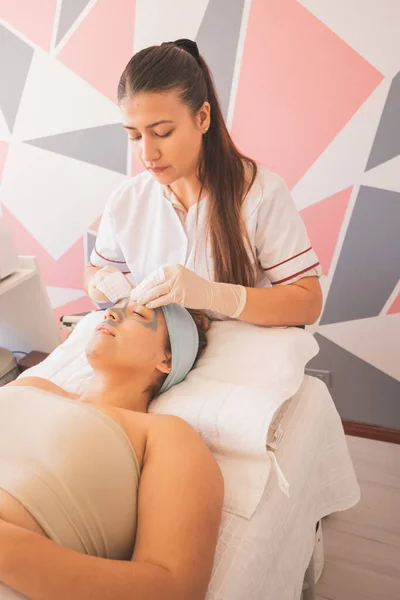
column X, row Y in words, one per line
column 150, row 152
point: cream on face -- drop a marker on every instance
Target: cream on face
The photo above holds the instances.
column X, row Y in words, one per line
column 123, row 314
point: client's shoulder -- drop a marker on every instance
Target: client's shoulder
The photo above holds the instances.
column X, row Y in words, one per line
column 43, row 384
column 175, row 438
column 171, row 425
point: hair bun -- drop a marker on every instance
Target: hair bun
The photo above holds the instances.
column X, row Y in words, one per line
column 206, row 322
column 188, row 45
column 201, row 319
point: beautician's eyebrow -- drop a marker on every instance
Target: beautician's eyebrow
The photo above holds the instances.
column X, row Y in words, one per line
column 149, row 126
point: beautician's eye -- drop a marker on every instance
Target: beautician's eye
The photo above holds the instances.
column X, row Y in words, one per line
column 165, row 134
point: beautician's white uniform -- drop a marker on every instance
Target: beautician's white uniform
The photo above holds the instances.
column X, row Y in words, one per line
column 145, row 227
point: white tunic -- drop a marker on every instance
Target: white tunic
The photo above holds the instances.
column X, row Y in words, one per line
column 144, row 227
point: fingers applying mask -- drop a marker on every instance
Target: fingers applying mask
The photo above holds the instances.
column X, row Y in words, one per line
column 176, row 283
column 158, row 292
column 109, row 284
column 163, row 286
column 148, row 284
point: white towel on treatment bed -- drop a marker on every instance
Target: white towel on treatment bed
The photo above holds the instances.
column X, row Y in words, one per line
column 230, row 398
column 265, row 558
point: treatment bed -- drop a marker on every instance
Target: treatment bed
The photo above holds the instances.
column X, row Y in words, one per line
column 265, row 553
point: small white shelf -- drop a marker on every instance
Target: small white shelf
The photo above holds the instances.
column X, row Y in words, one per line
column 27, row 320
column 15, row 279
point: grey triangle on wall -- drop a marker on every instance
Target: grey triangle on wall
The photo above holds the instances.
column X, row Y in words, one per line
column 105, row 146
column 361, row 392
column 218, row 42
column 70, row 11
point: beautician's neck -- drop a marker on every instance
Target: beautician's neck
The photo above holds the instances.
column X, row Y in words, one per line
column 187, row 190
column 108, row 390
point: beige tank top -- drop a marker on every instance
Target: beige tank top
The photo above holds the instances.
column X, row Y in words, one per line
column 73, row 468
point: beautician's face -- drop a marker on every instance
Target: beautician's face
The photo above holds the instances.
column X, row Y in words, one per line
column 131, row 339
column 164, row 133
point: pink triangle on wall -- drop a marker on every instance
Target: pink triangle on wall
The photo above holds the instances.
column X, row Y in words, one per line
column 299, row 84
column 323, row 221
column 95, row 226
column 3, row 156
column 67, row 271
column 102, row 45
column 35, row 19
column 395, row 308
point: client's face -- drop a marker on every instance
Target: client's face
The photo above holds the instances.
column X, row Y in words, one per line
column 130, row 339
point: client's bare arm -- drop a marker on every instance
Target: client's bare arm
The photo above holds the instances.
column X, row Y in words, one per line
column 180, row 504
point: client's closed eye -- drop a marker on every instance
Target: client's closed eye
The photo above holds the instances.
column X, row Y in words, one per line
column 135, row 311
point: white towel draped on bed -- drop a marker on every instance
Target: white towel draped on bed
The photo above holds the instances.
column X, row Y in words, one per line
column 265, row 558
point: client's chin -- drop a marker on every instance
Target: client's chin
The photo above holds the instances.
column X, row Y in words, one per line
column 98, row 345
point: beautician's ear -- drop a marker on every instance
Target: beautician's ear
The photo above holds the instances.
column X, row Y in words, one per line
column 203, row 116
column 166, row 365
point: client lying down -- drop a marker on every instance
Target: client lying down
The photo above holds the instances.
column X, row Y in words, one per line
column 94, row 477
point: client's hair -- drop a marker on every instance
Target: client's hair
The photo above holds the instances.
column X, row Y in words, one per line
column 202, row 323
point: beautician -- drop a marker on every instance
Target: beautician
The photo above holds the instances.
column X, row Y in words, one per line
column 203, row 226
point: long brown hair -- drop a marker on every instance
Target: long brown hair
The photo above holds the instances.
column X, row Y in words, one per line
column 223, row 171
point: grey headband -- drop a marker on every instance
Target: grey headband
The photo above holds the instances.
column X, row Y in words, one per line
column 184, row 339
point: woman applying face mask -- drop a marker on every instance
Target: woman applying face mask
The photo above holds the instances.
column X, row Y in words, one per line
column 99, row 498
column 204, row 226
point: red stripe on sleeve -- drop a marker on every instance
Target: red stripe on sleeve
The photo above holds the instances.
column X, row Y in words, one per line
column 120, row 262
column 288, row 259
column 123, row 272
column 296, row 274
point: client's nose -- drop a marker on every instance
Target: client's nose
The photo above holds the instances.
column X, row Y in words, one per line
column 111, row 315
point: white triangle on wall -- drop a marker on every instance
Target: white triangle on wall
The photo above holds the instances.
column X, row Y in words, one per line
column 343, row 162
column 55, row 100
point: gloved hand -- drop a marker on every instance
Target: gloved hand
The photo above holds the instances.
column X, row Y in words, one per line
column 109, row 285
column 176, row 284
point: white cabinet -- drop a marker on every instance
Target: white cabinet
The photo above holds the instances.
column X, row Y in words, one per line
column 27, row 321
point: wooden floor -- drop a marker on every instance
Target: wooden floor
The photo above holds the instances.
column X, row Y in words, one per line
column 362, row 545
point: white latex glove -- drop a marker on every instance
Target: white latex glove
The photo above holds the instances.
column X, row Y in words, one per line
column 109, row 285
column 176, row 284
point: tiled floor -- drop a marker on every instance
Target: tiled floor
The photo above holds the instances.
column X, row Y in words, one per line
column 362, row 545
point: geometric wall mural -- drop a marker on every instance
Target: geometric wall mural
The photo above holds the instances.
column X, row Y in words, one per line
column 13, row 70
column 91, row 146
column 324, row 221
column 98, row 47
column 221, row 57
column 362, row 393
column 69, row 13
column 368, row 268
column 309, row 89
column 387, row 140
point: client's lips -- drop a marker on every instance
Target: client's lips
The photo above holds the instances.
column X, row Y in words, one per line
column 105, row 329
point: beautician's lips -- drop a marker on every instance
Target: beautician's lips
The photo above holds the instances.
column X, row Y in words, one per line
column 157, row 169
column 105, row 329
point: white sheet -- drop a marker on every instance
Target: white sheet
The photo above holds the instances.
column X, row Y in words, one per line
column 265, row 558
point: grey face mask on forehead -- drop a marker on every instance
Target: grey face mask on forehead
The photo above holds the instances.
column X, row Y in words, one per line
column 184, row 340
